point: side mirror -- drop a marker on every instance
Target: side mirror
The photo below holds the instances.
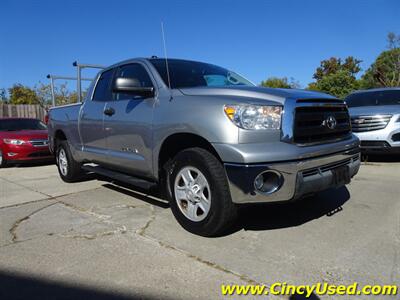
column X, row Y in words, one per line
column 132, row 86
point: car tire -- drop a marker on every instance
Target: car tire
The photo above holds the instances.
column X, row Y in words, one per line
column 69, row 169
column 3, row 162
column 199, row 194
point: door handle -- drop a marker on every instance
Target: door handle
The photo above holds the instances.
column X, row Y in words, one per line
column 109, row 111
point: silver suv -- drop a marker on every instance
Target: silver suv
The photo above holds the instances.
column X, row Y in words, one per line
column 375, row 119
column 207, row 136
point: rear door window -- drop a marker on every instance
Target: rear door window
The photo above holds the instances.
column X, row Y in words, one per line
column 103, row 87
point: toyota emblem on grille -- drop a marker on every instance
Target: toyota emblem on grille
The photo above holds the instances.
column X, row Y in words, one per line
column 330, row 122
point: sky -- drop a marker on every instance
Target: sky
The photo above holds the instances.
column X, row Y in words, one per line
column 257, row 39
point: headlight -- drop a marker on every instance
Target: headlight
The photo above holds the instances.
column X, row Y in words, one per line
column 13, row 142
column 254, row 116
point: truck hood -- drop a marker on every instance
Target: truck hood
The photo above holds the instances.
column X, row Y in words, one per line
column 25, row 135
column 261, row 93
column 374, row 110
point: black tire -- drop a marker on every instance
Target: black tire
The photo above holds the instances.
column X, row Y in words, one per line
column 3, row 162
column 73, row 171
column 222, row 211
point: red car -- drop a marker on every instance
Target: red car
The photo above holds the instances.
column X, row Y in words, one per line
column 23, row 140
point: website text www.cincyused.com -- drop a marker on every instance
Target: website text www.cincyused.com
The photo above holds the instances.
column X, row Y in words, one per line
column 284, row 289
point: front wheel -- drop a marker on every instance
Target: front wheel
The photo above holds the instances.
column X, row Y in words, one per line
column 3, row 162
column 68, row 168
column 199, row 193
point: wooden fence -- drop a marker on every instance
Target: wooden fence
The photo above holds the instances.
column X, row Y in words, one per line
column 22, row 111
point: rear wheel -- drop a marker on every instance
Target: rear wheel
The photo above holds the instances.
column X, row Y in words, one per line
column 69, row 169
column 199, row 194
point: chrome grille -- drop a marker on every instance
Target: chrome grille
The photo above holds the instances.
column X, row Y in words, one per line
column 310, row 126
column 39, row 143
column 369, row 123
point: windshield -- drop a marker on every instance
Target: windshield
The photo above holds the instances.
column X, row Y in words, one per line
column 184, row 73
column 21, row 124
column 388, row 97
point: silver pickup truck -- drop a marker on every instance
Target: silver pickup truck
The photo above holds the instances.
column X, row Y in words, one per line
column 209, row 137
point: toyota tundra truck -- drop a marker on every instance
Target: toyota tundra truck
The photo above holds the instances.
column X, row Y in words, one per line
column 206, row 135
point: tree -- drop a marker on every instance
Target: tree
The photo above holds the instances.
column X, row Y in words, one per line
column 3, row 95
column 336, row 77
column 333, row 65
column 61, row 93
column 339, row 84
column 385, row 71
column 20, row 94
column 393, row 40
column 64, row 95
column 276, row 82
column 43, row 91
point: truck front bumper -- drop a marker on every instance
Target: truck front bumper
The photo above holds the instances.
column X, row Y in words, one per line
column 297, row 178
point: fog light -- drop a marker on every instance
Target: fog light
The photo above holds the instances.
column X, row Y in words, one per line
column 268, row 182
column 11, row 154
column 259, row 182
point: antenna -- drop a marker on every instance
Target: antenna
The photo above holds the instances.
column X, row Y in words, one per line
column 166, row 59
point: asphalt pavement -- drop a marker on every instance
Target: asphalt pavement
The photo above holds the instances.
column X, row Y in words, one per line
column 107, row 241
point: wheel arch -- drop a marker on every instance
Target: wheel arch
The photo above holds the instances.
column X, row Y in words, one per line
column 177, row 142
column 59, row 135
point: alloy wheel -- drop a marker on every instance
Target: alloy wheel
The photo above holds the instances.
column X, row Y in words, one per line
column 192, row 194
column 63, row 162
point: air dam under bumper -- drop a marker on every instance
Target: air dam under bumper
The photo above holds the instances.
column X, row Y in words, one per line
column 297, row 178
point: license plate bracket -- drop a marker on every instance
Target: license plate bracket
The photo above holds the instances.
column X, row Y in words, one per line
column 341, row 175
